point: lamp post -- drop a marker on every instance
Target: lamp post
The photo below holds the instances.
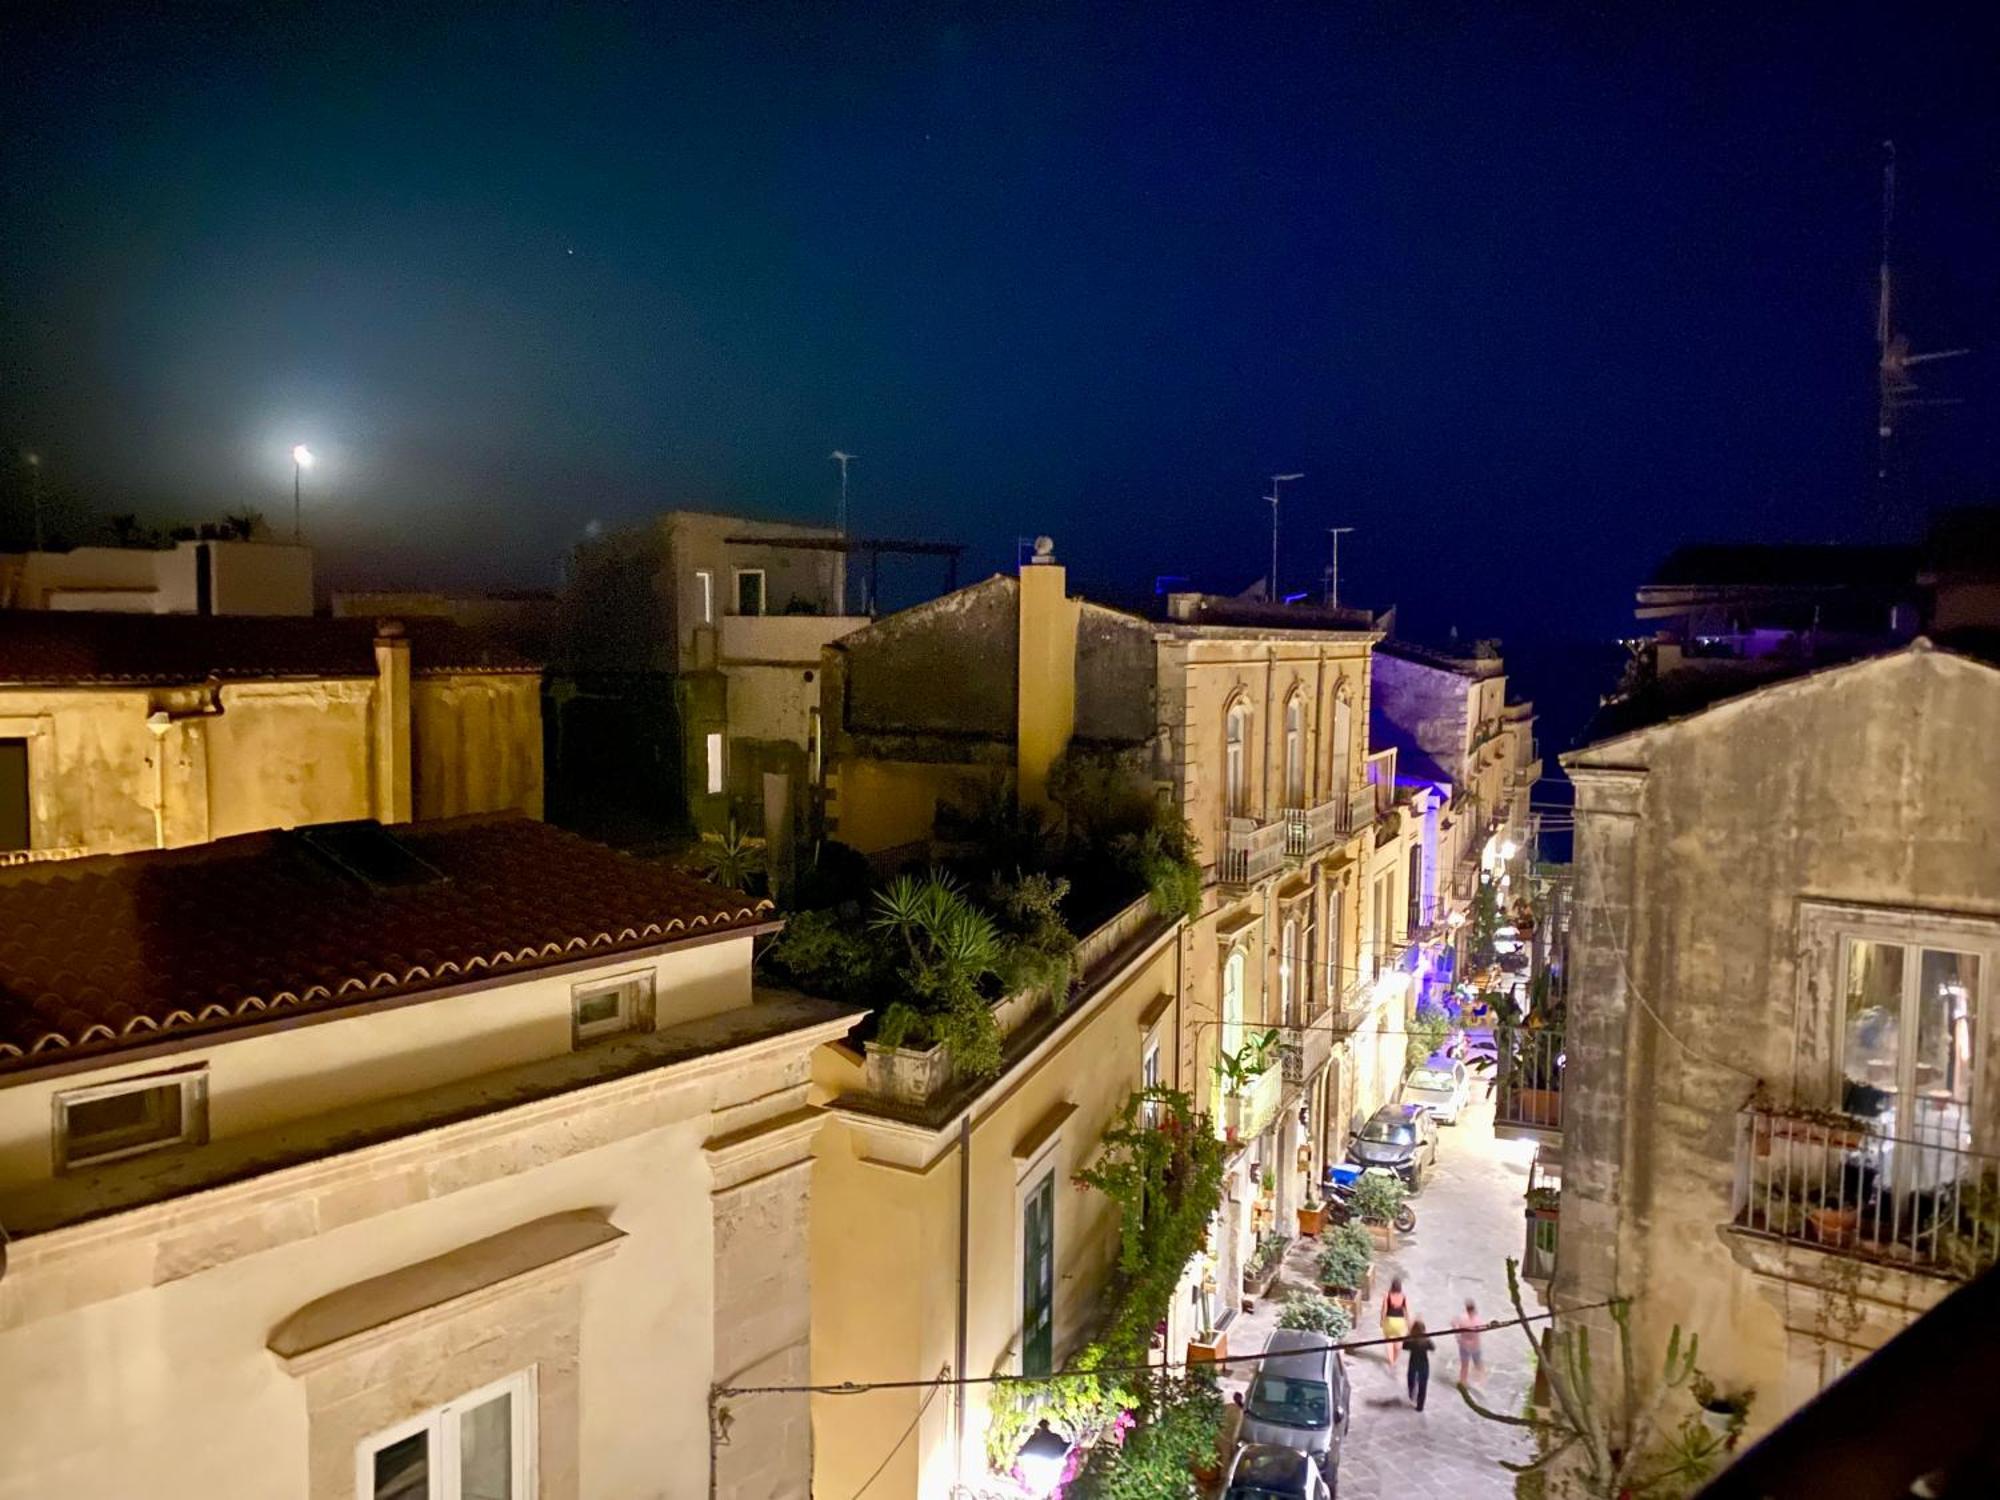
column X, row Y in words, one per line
column 302, row 459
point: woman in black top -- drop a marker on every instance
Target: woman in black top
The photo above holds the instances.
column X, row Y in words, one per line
column 1418, row 1346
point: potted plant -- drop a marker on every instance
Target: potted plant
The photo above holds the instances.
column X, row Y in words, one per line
column 1543, row 1202
column 1312, row 1217
column 1206, row 1345
column 1346, row 1266
column 1313, row 1313
column 1377, row 1199
column 1722, row 1412
column 1833, row 1226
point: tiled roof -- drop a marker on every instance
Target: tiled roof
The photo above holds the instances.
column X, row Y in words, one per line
column 107, row 952
column 65, row 647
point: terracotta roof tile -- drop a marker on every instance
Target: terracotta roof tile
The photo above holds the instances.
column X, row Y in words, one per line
column 108, row 951
column 45, row 646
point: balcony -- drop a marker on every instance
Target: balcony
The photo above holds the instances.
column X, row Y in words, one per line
column 789, row 640
column 1528, row 1092
column 1840, row 1185
column 1310, row 829
column 1539, row 1237
column 1251, row 850
column 1248, row 1112
column 1308, row 1047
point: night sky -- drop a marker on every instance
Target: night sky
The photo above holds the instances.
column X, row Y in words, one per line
column 1530, row 293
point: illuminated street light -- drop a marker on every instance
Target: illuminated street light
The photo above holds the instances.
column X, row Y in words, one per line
column 302, row 459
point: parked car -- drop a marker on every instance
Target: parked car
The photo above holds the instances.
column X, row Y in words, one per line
column 1401, row 1137
column 1265, row 1471
column 1299, row 1400
column 1439, row 1086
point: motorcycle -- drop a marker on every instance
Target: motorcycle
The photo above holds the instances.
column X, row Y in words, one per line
column 1338, row 1190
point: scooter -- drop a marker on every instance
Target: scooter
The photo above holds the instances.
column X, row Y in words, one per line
column 1338, row 1189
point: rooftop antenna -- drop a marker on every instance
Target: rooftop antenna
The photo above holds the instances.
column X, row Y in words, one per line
column 1898, row 388
column 1334, row 534
column 1271, row 595
column 840, row 518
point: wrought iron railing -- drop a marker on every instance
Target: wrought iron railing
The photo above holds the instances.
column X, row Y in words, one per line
column 1251, row 850
column 1538, row 1245
column 1920, row 1199
column 1528, row 1081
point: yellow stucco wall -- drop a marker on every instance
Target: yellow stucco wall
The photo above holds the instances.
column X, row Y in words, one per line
column 276, row 755
column 885, row 1240
column 883, row 804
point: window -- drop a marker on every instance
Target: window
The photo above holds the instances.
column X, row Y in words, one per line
column 704, row 587
column 1038, row 1277
column 1235, row 780
column 609, row 1007
column 1414, row 916
column 1334, row 914
column 13, row 795
column 714, row 778
column 479, row 1447
column 1295, row 752
column 110, row 1121
column 1909, row 1047
column 1288, row 963
column 749, row 591
column 1343, row 719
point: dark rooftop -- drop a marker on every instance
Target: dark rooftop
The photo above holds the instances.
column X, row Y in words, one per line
column 60, row 647
column 1466, row 661
column 108, row 952
column 1785, row 565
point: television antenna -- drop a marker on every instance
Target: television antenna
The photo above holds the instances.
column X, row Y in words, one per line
column 840, row 516
column 1271, row 594
column 1895, row 359
column 1334, row 534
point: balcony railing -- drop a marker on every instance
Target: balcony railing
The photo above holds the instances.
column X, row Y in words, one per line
column 1251, row 850
column 1920, row 1200
column 1307, row 1049
column 1528, row 1085
column 1308, row 829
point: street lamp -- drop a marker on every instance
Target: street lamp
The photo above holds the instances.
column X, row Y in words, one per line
column 302, row 459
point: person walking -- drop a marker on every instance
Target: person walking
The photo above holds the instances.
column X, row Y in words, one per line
column 1471, row 1358
column 1395, row 1318
column 1418, row 1346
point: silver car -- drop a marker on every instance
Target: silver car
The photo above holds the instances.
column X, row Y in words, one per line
column 1299, row 1398
column 1439, row 1086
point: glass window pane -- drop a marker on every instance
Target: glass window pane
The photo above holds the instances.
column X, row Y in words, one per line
column 486, row 1451
column 403, row 1468
column 122, row 1122
column 1873, row 1029
column 1947, row 994
column 604, row 1006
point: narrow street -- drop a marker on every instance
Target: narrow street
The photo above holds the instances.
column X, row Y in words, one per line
column 1468, row 1223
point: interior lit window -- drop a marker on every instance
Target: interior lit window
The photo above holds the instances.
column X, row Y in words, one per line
column 704, row 582
column 714, row 743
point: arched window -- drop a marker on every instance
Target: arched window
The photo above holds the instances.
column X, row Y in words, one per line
column 1288, row 966
column 1235, row 763
column 1295, row 752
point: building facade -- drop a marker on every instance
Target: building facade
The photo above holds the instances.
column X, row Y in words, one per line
column 1252, row 721
column 949, row 1235
column 453, row 1160
column 1780, row 1108
column 208, row 576
column 120, row 733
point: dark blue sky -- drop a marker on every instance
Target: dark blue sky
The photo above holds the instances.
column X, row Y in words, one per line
column 1529, row 292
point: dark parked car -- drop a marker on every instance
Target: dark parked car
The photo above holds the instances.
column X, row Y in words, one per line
column 1263, row 1471
column 1401, row 1137
column 1299, row 1399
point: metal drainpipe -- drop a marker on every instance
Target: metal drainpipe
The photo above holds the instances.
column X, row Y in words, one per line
column 157, row 724
column 1270, row 677
column 964, row 1253
column 1319, row 697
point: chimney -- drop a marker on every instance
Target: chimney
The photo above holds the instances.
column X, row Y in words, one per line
column 1045, row 712
column 392, row 723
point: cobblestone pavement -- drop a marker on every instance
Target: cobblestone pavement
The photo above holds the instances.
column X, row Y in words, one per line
column 1468, row 1222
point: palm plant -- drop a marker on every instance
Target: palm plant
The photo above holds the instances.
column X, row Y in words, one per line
column 728, row 861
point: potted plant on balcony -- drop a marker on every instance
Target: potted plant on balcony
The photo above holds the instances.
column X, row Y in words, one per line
column 1238, row 1071
column 1543, row 1202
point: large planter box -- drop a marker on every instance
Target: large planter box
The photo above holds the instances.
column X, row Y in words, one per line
column 1384, row 1235
column 1312, row 1220
column 1201, row 1352
column 906, row 1074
